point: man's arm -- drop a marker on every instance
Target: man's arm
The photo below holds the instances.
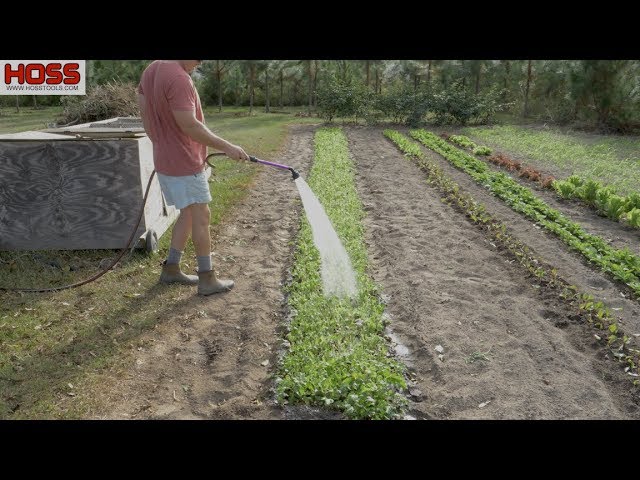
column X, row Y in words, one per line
column 141, row 106
column 199, row 132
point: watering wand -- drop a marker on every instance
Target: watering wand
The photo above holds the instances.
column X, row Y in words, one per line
column 294, row 173
column 278, row 165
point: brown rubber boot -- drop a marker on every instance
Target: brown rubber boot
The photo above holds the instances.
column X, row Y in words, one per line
column 209, row 284
column 173, row 274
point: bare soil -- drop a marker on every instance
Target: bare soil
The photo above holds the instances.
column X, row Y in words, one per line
column 212, row 359
column 510, row 350
column 571, row 265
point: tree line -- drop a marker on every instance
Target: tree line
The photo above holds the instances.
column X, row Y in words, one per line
column 603, row 94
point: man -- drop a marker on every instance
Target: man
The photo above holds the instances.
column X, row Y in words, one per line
column 173, row 119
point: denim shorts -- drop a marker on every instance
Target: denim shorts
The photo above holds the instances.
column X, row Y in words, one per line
column 184, row 191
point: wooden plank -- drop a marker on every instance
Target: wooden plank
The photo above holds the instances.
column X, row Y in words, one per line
column 94, row 130
column 99, row 132
column 34, row 135
column 157, row 215
column 114, row 120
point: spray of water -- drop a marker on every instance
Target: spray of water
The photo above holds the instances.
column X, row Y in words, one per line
column 338, row 277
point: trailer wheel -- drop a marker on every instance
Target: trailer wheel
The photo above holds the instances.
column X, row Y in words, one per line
column 151, row 241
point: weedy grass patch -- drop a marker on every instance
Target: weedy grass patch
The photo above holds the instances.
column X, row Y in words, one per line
column 336, row 353
column 27, row 118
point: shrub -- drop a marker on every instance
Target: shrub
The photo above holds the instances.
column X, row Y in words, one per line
column 101, row 102
column 373, row 117
column 339, row 99
column 394, row 103
column 456, row 104
column 403, row 105
column 419, row 106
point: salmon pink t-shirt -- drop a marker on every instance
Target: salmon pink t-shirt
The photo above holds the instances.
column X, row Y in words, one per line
column 166, row 86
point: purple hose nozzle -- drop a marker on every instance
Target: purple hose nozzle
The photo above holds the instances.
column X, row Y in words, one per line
column 294, row 173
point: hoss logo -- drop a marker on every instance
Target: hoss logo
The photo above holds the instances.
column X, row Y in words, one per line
column 43, row 77
column 39, row 73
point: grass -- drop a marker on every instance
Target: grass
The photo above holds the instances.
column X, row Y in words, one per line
column 337, row 354
column 57, row 349
column 27, row 119
column 612, row 160
column 259, row 134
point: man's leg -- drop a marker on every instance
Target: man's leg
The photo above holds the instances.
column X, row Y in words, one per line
column 201, row 218
column 171, row 272
column 179, row 237
column 181, row 230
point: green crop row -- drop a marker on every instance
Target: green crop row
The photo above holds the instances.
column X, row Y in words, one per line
column 601, row 197
column 594, row 312
column 622, row 264
column 335, row 351
column 466, row 142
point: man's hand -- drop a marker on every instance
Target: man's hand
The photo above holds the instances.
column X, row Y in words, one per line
column 237, row 153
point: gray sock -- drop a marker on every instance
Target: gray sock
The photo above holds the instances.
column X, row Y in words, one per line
column 174, row 256
column 204, row 263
